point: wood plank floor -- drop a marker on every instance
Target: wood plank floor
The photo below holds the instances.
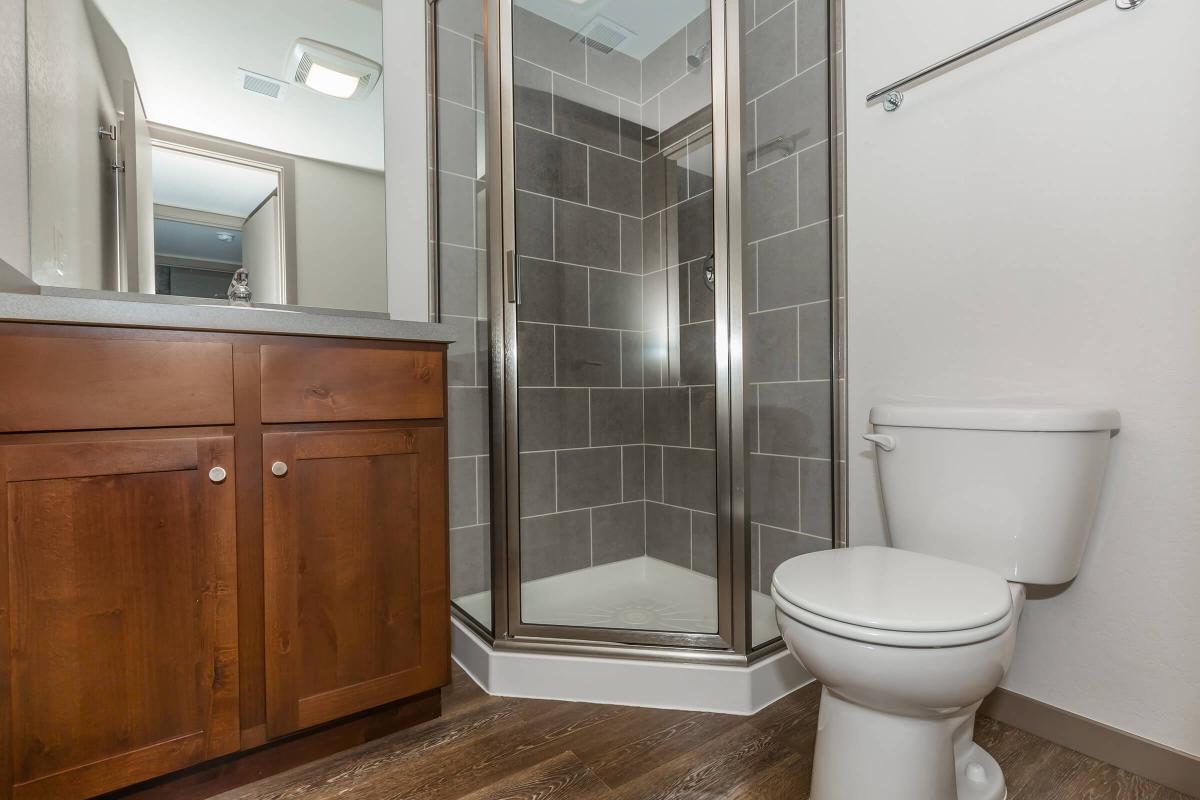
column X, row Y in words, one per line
column 495, row 748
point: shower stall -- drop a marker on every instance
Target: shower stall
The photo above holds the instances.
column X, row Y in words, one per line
column 637, row 238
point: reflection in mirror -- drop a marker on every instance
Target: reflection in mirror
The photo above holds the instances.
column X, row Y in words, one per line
column 171, row 144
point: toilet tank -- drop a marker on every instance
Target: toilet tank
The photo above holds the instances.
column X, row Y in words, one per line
column 1012, row 489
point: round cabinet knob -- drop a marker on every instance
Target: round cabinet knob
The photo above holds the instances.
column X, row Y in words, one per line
column 217, row 474
column 279, row 469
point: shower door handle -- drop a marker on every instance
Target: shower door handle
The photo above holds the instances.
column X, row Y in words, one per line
column 512, row 277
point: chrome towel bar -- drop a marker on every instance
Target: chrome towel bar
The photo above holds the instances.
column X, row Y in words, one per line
column 893, row 95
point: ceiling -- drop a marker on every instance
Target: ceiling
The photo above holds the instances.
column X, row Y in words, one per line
column 186, row 54
column 652, row 21
column 198, row 242
column 205, row 184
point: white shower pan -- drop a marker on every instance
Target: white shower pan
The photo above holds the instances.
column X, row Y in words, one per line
column 640, row 593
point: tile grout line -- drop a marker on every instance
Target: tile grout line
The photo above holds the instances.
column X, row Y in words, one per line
column 799, row 496
column 794, row 154
column 757, row 277
column 476, row 465
column 795, row 32
column 758, row 23
column 691, row 542
column 601, row 209
column 799, row 344
column 557, row 135
column 804, row 227
column 796, row 167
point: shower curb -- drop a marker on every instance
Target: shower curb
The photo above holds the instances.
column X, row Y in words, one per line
column 714, row 688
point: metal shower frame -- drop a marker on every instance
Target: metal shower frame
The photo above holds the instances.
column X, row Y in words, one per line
column 732, row 643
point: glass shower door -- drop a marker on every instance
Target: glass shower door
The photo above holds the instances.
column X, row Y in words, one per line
column 787, row 302
column 460, row 242
column 612, row 321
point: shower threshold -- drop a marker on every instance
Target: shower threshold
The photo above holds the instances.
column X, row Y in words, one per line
column 642, row 593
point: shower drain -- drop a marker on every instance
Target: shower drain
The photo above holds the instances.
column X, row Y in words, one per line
column 636, row 616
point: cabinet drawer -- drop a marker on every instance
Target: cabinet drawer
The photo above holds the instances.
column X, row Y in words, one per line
column 59, row 383
column 323, row 383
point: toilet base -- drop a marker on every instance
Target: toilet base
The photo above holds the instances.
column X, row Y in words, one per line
column 862, row 752
column 978, row 775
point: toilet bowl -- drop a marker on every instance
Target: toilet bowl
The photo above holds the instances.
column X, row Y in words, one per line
column 907, row 641
column 897, row 706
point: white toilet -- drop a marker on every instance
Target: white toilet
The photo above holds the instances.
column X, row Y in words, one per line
column 908, row 640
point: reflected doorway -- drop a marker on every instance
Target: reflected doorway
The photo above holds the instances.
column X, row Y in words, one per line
column 213, row 215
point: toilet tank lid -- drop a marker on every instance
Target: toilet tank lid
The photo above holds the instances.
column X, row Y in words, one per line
column 997, row 417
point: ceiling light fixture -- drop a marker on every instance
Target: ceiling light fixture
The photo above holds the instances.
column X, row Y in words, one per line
column 331, row 70
column 225, row 236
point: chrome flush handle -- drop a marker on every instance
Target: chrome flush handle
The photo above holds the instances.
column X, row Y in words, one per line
column 882, row 441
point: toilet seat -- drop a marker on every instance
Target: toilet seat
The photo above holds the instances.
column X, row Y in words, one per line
column 886, row 596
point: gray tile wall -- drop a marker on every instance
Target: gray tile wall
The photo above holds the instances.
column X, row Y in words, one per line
column 462, row 285
column 616, row 325
column 679, row 358
column 787, row 220
column 579, row 213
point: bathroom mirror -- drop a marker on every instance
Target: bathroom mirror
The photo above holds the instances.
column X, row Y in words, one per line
column 172, row 143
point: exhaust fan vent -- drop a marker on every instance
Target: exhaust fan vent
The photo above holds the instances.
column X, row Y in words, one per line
column 602, row 34
column 261, row 84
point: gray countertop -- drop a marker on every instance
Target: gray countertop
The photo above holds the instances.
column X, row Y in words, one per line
column 78, row 307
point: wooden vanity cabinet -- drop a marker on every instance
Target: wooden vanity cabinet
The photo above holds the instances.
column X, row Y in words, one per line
column 224, row 554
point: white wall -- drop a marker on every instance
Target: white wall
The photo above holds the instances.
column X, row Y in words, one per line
column 1027, row 225
column 14, row 199
column 406, row 155
column 72, row 189
column 340, row 237
column 260, row 251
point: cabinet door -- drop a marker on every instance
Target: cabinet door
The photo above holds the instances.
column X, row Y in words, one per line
column 357, row 605
column 118, row 610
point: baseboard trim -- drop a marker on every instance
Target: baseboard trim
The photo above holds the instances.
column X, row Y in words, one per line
column 716, row 688
column 1159, row 763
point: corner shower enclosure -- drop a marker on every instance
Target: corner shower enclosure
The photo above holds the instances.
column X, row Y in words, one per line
column 636, row 240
